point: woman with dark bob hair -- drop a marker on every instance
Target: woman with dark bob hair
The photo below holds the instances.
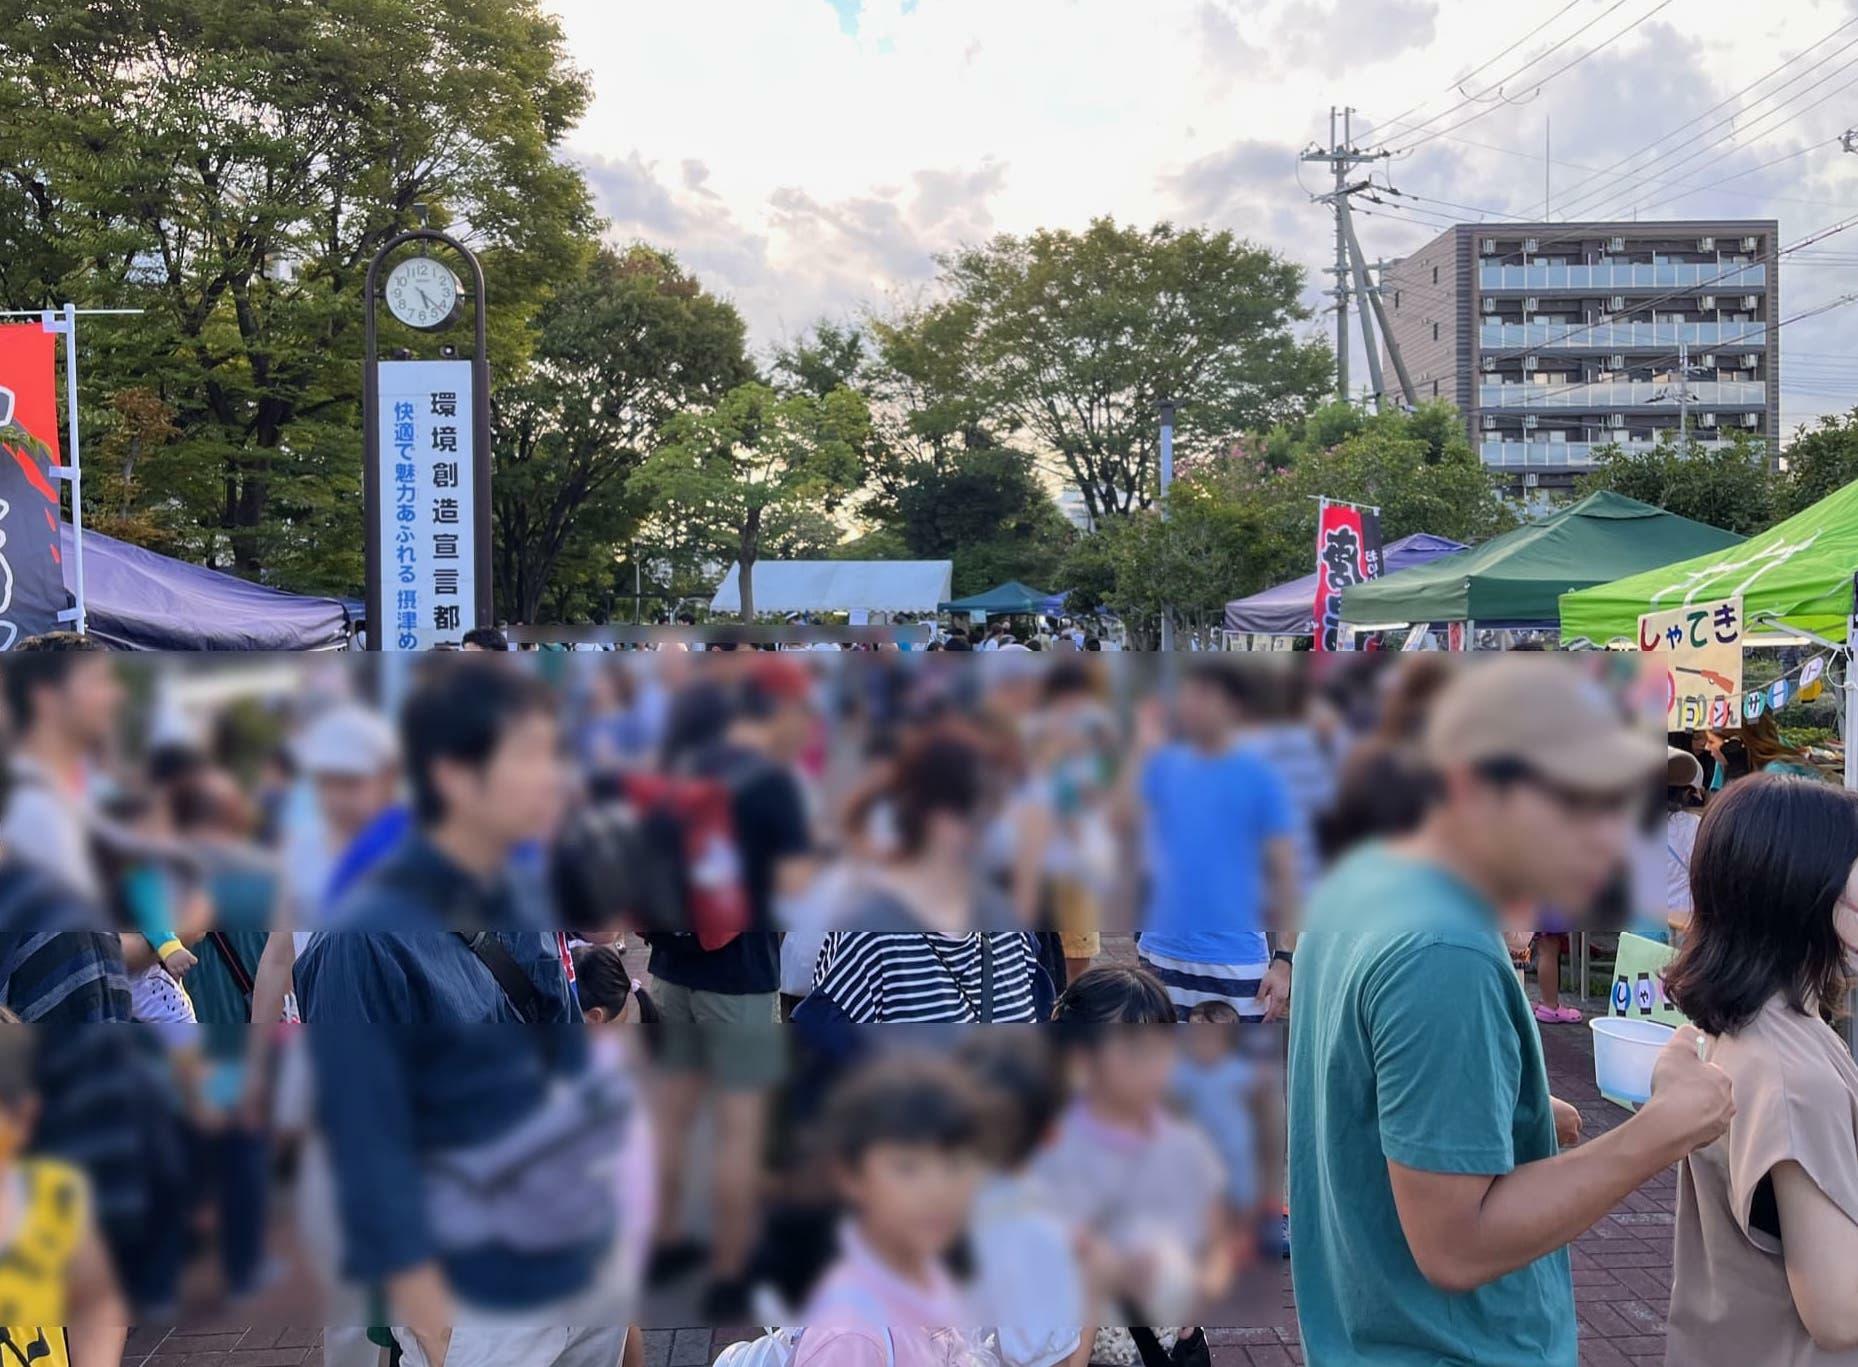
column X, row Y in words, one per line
column 1766, row 1261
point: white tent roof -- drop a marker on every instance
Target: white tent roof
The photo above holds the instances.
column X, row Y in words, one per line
column 841, row 586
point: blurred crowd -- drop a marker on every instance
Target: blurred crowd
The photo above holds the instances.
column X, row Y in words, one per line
column 492, row 994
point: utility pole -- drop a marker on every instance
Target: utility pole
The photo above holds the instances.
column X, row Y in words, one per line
column 1370, row 292
column 1167, row 482
column 1683, row 395
column 1341, row 157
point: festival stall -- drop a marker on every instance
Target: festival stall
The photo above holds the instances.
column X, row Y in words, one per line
column 1788, row 586
column 138, row 600
column 1516, row 580
column 1287, row 609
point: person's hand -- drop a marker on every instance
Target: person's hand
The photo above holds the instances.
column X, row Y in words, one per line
column 1692, row 1101
column 1274, row 991
column 179, row 962
column 1567, row 1122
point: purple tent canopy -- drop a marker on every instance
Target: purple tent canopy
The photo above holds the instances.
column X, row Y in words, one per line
column 1285, row 609
column 138, row 600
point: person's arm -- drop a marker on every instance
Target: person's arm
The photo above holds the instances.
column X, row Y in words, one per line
column 1032, row 832
column 1819, row 1243
column 1466, row 1229
column 422, row 1302
column 99, row 1317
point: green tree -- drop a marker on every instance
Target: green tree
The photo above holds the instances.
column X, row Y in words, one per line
column 620, row 350
column 1189, row 563
column 231, row 166
column 1727, row 486
column 755, row 472
column 1070, row 340
column 1418, row 468
column 987, row 512
column 1820, row 461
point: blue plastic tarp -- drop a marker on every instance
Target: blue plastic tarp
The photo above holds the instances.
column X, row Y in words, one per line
column 1285, row 610
column 136, row 599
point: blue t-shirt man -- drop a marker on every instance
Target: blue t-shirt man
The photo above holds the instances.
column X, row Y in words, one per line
column 1211, row 820
column 1411, row 1040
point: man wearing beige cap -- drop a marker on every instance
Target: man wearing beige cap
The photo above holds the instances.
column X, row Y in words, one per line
column 1431, row 1200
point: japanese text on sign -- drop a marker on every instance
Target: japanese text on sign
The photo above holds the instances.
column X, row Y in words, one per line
column 428, row 504
column 1700, row 646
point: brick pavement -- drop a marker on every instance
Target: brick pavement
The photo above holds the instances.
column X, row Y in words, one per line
column 1622, row 1278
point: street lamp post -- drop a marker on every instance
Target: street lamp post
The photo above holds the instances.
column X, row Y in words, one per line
column 1167, row 483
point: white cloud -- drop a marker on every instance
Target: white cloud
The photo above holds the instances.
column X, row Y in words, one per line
column 803, row 169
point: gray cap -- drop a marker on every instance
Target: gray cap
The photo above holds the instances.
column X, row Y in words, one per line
column 347, row 741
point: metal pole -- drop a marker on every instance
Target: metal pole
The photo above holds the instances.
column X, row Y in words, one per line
column 75, row 476
column 1167, row 483
column 1364, row 299
column 1340, row 166
column 1683, row 393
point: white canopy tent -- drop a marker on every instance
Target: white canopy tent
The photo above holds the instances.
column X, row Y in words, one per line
column 841, row 586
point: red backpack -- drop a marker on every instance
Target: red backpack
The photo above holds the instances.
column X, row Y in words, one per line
column 659, row 851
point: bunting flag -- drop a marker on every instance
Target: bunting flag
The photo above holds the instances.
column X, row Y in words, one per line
column 32, row 590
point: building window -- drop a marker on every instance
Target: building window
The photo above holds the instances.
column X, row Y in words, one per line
column 1396, row 301
column 1435, row 275
column 1435, row 389
column 1435, row 332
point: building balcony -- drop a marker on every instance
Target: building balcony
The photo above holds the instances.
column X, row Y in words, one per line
column 1670, row 275
column 1562, row 454
column 1620, row 336
column 1604, row 395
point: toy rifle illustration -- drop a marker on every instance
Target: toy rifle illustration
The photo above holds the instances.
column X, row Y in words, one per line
column 1710, row 676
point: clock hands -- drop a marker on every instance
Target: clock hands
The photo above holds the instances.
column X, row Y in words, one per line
column 428, row 298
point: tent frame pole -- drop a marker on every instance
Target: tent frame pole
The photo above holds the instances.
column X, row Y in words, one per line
column 64, row 323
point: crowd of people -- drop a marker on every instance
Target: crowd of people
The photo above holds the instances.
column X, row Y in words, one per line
column 514, row 1001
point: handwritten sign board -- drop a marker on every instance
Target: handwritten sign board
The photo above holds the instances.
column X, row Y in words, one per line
column 1700, row 647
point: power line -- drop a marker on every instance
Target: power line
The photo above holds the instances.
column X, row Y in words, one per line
column 1566, row 66
column 1774, row 71
column 1459, row 83
column 1609, row 194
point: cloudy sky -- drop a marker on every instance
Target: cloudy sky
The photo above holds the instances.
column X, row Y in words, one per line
column 811, row 156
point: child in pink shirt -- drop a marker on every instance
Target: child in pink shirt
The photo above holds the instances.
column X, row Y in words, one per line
column 904, row 1139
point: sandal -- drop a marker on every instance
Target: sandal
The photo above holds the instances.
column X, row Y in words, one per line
column 1558, row 1015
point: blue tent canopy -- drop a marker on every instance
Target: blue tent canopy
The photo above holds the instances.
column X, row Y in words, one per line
column 138, row 600
column 1012, row 599
column 1285, row 609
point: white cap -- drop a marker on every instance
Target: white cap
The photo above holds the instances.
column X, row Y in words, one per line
column 347, row 741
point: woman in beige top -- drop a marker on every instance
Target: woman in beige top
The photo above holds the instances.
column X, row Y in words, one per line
column 1766, row 1261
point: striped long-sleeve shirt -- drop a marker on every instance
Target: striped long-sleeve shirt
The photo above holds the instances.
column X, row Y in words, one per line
column 883, row 977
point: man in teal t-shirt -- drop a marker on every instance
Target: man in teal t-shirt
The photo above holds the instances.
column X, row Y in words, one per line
column 1431, row 1204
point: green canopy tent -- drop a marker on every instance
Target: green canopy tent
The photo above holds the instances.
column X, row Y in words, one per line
column 1011, row 599
column 1795, row 578
column 1798, row 571
column 1517, row 579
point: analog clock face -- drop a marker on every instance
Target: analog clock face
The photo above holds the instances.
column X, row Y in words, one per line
column 422, row 293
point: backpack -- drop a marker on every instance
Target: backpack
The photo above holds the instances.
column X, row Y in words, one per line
column 660, row 850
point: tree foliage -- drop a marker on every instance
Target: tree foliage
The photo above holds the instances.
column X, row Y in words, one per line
column 756, row 471
column 1068, row 341
column 619, row 351
column 1820, row 461
column 1725, row 485
column 231, row 166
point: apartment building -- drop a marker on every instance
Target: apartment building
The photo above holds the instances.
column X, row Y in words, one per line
column 1555, row 339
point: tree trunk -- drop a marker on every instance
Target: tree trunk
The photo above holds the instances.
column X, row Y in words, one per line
column 747, row 549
